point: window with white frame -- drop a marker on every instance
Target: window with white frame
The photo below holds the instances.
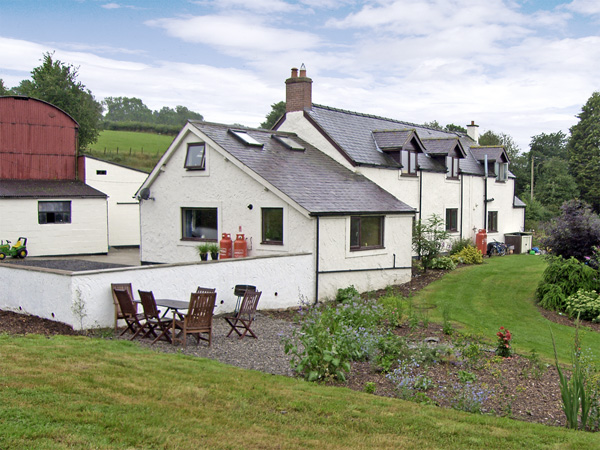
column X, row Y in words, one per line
column 492, row 221
column 501, row 170
column 272, row 226
column 366, row 232
column 409, row 162
column 195, row 159
column 452, row 219
column 199, row 224
column 54, row 212
column 452, row 166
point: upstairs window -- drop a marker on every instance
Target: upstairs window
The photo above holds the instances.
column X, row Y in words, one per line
column 366, row 232
column 195, row 158
column 452, row 166
column 272, row 226
column 501, row 170
column 54, row 212
column 452, row 219
column 492, row 221
column 199, row 224
column 409, row 162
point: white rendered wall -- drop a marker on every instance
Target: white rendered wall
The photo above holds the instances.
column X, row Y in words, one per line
column 284, row 281
column 86, row 234
column 223, row 186
column 120, row 184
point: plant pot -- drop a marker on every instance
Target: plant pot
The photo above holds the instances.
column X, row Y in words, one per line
column 214, row 256
column 204, row 257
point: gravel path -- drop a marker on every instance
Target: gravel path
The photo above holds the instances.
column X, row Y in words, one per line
column 265, row 354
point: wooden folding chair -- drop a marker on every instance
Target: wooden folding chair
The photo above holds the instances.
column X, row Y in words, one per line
column 154, row 322
column 204, row 290
column 118, row 312
column 242, row 320
column 129, row 313
column 198, row 319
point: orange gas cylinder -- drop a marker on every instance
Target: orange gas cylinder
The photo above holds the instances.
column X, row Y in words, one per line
column 240, row 249
column 226, row 246
column 481, row 241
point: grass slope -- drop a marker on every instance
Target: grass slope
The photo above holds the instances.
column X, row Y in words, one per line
column 80, row 393
column 498, row 293
column 129, row 148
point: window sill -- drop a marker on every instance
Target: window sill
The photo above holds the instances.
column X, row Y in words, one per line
column 188, row 239
column 362, row 249
column 271, row 243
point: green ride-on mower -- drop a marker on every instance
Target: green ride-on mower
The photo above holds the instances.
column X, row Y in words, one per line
column 19, row 250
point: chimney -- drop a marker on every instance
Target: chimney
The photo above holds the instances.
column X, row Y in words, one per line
column 298, row 91
column 473, row 132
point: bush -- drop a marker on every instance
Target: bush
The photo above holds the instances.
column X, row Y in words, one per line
column 393, row 307
column 584, row 304
column 563, row 278
column 459, row 244
column 468, row 255
column 574, row 232
column 443, row 263
column 428, row 239
column 346, row 294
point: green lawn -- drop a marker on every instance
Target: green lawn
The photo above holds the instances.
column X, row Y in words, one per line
column 500, row 292
column 80, row 393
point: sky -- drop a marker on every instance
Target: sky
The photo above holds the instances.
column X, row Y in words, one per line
column 520, row 67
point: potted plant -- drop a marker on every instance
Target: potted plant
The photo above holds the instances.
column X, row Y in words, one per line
column 203, row 250
column 213, row 249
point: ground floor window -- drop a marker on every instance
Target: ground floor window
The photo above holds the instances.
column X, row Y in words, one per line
column 452, row 219
column 54, row 212
column 492, row 221
column 366, row 232
column 272, row 226
column 199, row 224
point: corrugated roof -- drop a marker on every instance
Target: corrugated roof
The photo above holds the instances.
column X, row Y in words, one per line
column 353, row 133
column 47, row 189
column 312, row 179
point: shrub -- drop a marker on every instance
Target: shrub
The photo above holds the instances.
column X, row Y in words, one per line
column 459, row 244
column 574, row 232
column 563, row 278
column 428, row 239
column 468, row 255
column 443, row 263
column 584, row 304
column 346, row 294
column 393, row 307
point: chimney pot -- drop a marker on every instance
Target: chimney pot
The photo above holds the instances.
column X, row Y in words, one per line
column 303, row 70
column 294, row 72
column 298, row 93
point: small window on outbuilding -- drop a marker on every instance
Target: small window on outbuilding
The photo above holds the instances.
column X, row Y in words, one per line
column 366, row 232
column 54, row 212
column 195, row 159
column 272, row 226
column 100, row 172
column 199, row 224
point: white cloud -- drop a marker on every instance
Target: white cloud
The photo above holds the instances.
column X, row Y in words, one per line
column 590, row 7
column 111, row 6
column 242, row 35
column 265, row 6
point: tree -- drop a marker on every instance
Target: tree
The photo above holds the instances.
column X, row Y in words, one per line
column 574, row 233
column 455, row 128
column 3, row 89
column 178, row 116
column 429, row 239
column 536, row 213
column 277, row 110
column 584, row 151
column 126, row 109
column 555, row 185
column 56, row 82
column 503, row 139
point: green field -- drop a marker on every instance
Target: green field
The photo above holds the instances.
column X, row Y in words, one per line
column 130, row 148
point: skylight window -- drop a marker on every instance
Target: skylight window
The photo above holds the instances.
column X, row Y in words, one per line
column 245, row 138
column 288, row 143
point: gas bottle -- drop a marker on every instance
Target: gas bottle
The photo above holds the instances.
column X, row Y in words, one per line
column 240, row 248
column 226, row 250
column 481, row 241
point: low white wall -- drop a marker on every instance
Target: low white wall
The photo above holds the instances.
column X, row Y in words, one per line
column 52, row 294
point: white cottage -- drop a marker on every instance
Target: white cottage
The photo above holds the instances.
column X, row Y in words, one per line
column 285, row 196
column 437, row 172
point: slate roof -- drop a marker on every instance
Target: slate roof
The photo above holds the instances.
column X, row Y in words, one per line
column 392, row 139
column 47, row 189
column 441, row 146
column 312, row 179
column 352, row 132
column 494, row 153
column 518, row 203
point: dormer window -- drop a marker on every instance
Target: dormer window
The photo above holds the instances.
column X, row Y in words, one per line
column 196, row 156
column 501, row 170
column 452, row 166
column 409, row 162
